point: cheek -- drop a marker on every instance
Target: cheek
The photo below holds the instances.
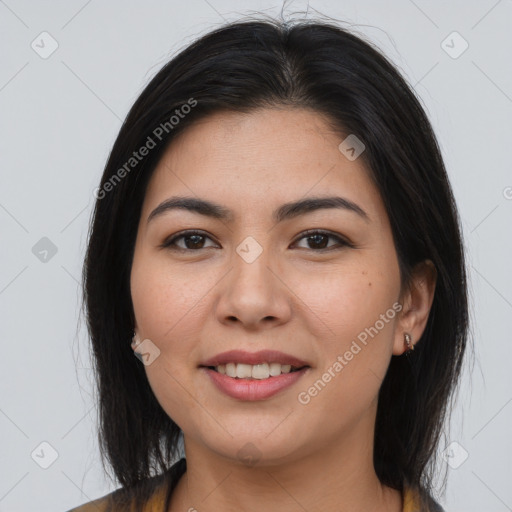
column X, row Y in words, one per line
column 166, row 300
column 344, row 301
column 167, row 306
column 354, row 318
column 354, row 359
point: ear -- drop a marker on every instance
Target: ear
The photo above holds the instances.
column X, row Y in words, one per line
column 416, row 302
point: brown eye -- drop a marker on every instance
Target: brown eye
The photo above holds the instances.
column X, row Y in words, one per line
column 318, row 240
column 192, row 241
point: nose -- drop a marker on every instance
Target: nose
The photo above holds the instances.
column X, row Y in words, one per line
column 253, row 294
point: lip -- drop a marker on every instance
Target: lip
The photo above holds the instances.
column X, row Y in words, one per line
column 253, row 389
column 263, row 356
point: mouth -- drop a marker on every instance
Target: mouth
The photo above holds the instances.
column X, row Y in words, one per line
column 239, row 364
column 251, row 388
column 256, row 371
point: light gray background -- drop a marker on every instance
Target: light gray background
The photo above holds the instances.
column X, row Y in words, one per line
column 59, row 118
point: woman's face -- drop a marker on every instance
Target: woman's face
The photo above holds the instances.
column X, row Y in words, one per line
column 254, row 281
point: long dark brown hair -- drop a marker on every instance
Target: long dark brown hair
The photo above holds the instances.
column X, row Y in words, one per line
column 307, row 64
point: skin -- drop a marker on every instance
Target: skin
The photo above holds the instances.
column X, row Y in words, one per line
column 295, row 297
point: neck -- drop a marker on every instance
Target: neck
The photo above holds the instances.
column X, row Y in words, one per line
column 330, row 476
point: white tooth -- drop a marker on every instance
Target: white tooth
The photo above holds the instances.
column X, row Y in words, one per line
column 243, row 371
column 231, row 370
column 257, row 371
column 260, row 371
column 275, row 369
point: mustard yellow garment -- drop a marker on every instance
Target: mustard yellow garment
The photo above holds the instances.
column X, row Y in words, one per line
column 156, row 503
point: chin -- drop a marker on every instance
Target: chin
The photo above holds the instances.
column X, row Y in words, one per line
column 254, row 446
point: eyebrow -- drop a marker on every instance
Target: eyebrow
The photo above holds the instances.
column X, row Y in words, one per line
column 284, row 212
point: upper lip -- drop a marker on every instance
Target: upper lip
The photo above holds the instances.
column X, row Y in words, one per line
column 252, row 358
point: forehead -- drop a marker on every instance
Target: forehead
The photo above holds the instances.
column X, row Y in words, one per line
column 265, row 156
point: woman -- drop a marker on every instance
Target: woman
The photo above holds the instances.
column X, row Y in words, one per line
column 276, row 240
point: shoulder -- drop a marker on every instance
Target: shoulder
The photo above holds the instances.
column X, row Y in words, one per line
column 159, row 486
column 97, row 505
column 124, row 499
column 412, row 502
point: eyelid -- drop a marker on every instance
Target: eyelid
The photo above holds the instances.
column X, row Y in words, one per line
column 168, row 242
column 342, row 241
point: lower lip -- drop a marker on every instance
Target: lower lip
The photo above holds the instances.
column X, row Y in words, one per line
column 254, row 389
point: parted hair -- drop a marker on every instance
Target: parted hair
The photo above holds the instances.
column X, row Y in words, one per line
column 243, row 66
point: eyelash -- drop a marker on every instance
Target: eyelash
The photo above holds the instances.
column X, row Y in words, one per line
column 170, row 243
